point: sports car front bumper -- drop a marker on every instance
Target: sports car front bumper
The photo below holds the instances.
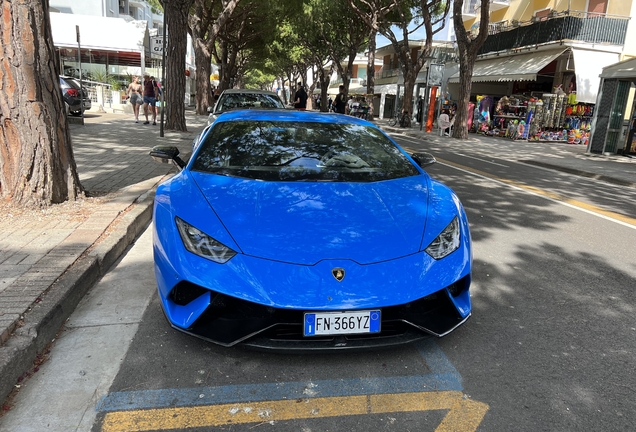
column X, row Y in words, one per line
column 228, row 321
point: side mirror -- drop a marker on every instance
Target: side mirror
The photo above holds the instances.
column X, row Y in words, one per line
column 423, row 159
column 210, row 109
column 165, row 154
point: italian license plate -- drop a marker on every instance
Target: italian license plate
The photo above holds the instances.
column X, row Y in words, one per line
column 337, row 323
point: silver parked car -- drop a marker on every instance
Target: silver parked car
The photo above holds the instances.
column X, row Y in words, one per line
column 233, row 99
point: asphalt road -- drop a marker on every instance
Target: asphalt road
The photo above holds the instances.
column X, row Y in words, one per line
column 550, row 345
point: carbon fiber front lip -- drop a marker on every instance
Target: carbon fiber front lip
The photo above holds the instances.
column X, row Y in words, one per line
column 339, row 343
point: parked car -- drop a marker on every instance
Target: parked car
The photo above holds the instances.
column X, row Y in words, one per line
column 294, row 230
column 233, row 99
column 71, row 94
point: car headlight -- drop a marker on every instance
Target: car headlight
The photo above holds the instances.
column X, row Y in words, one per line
column 199, row 243
column 446, row 242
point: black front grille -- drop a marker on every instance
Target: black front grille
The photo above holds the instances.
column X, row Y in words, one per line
column 184, row 292
column 229, row 320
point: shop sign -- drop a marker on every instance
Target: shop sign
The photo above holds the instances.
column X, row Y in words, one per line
column 156, row 45
column 435, row 74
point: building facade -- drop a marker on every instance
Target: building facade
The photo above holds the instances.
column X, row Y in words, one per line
column 118, row 39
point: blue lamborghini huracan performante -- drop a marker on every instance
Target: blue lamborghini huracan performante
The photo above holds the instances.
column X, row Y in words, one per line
column 292, row 230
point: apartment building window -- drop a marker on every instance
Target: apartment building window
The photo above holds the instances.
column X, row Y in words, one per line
column 597, row 6
column 543, row 14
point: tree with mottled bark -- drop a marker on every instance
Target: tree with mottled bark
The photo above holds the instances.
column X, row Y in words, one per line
column 241, row 41
column 400, row 14
column 176, row 19
column 341, row 32
column 205, row 23
column 468, row 47
column 37, row 166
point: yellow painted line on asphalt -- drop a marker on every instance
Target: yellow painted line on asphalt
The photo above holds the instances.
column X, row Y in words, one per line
column 463, row 414
column 554, row 196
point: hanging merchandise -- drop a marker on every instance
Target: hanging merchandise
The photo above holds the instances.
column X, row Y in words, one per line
column 535, row 120
column 511, row 130
column 572, row 98
column 521, row 129
column 548, row 110
column 561, row 108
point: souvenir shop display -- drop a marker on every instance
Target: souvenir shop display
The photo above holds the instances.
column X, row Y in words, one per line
column 543, row 117
column 508, row 113
column 482, row 114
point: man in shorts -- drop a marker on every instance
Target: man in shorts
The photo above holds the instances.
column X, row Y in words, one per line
column 150, row 99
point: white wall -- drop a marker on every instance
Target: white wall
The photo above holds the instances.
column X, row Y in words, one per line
column 84, row 7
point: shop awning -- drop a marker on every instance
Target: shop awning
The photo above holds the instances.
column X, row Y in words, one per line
column 99, row 33
column 521, row 67
column 385, row 88
column 589, row 65
column 624, row 69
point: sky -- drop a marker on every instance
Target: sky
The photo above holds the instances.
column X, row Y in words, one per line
column 419, row 34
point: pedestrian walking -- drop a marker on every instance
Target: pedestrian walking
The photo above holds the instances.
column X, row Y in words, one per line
column 340, row 101
column 134, row 96
column 150, row 100
column 158, row 92
column 300, row 99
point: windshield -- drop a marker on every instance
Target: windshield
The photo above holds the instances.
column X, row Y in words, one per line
column 230, row 101
column 293, row 151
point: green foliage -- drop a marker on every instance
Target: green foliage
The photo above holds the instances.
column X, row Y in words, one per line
column 257, row 79
column 100, row 76
column 155, row 6
column 115, row 85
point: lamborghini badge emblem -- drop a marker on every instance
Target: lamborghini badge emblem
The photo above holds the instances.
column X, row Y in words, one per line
column 338, row 273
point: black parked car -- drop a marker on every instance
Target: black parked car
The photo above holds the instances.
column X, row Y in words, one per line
column 71, row 94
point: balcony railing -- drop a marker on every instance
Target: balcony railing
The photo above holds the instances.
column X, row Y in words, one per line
column 571, row 25
column 386, row 73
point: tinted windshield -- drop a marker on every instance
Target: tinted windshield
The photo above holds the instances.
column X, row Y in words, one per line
column 290, row 151
column 230, row 101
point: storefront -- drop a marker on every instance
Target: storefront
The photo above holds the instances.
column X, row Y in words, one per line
column 107, row 46
column 541, row 95
column 614, row 123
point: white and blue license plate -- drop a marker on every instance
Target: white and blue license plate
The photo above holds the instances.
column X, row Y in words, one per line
column 337, row 323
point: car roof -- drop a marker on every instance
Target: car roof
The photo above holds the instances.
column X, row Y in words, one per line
column 280, row 114
column 250, row 91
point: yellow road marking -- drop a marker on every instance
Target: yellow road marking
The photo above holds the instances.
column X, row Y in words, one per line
column 575, row 203
column 464, row 414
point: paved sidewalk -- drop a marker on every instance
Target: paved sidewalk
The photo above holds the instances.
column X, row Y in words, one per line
column 46, row 266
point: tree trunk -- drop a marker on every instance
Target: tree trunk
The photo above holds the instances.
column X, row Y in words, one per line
column 468, row 47
column 460, row 128
column 371, row 73
column 280, row 81
column 203, row 65
column 37, row 166
column 176, row 16
column 407, row 102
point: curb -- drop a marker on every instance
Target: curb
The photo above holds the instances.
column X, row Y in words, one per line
column 47, row 317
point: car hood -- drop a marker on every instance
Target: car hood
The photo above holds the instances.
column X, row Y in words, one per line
column 306, row 222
